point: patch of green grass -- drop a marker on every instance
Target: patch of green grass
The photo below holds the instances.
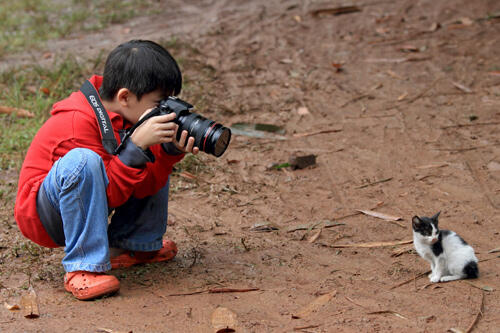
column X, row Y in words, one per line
column 191, row 163
column 27, row 24
column 35, row 89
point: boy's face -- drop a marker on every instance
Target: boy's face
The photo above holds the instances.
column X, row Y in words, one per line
column 135, row 108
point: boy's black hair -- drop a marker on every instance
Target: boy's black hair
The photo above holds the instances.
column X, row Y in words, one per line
column 141, row 66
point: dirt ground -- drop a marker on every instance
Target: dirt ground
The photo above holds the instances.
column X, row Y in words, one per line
column 400, row 104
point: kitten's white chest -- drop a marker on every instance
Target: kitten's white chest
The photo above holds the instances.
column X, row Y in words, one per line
column 423, row 250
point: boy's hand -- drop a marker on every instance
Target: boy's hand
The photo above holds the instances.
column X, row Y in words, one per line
column 162, row 129
column 155, row 130
column 187, row 147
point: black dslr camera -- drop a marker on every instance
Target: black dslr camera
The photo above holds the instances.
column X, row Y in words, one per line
column 209, row 136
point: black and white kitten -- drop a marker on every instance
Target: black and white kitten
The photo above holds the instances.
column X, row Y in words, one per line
column 450, row 256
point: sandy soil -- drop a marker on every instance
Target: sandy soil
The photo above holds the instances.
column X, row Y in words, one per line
column 399, row 102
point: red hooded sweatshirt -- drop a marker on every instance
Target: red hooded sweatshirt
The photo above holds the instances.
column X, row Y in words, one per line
column 73, row 125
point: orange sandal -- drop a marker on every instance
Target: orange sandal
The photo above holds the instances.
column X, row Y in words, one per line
column 130, row 258
column 88, row 285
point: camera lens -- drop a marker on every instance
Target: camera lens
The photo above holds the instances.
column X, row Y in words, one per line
column 209, row 136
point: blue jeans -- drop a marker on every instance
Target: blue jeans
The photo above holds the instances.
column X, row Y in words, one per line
column 75, row 189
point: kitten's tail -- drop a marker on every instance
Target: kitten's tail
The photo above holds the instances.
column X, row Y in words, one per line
column 471, row 270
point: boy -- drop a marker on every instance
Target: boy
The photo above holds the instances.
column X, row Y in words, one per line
column 69, row 182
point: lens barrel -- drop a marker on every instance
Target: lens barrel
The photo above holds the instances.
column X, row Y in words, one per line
column 209, row 136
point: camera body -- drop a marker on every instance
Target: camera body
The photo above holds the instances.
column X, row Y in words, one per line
column 210, row 137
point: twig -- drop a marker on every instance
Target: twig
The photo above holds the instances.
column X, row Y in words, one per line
column 380, row 204
column 230, row 290
column 397, row 41
column 461, row 87
column 410, row 280
column 376, row 182
column 188, row 294
column 479, row 314
column 335, row 11
column 481, row 185
column 371, row 244
column 390, row 312
column 471, row 124
column 194, row 259
column 488, row 259
column 216, row 291
column 425, row 91
column 244, row 245
column 302, row 135
column 461, row 150
column 305, row 327
column 402, row 251
column 350, row 300
column 355, row 99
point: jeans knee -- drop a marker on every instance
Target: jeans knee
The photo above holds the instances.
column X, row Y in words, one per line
column 79, row 164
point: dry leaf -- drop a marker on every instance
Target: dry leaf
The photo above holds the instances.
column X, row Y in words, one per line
column 45, row 90
column 10, row 307
column 495, row 73
column 19, row 112
column 32, row 89
column 29, row 304
column 380, row 215
column 382, row 30
column 434, row 26
column 224, row 320
column 466, row 21
column 297, row 18
column 462, row 87
column 303, row 111
column 456, row 330
column 315, row 305
column 337, row 66
column 403, row 96
column 393, row 74
column 373, row 244
column 108, row 330
column 315, row 236
column 409, row 48
column 301, row 162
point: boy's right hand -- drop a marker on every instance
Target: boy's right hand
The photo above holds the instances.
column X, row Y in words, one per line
column 155, row 130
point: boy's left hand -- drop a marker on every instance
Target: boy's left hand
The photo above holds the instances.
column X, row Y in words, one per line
column 185, row 144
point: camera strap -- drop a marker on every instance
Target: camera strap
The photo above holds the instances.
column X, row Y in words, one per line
column 108, row 137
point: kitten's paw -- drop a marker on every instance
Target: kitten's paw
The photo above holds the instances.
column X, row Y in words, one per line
column 450, row 278
column 435, row 278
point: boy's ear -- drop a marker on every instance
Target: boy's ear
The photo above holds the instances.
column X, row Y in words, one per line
column 123, row 96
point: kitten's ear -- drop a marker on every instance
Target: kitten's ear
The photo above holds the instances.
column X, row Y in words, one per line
column 415, row 221
column 435, row 217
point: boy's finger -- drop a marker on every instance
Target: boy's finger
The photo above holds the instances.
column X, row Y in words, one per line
column 164, row 118
column 190, row 144
column 182, row 140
